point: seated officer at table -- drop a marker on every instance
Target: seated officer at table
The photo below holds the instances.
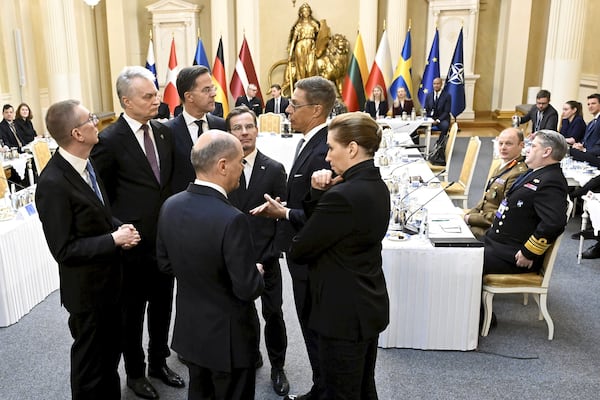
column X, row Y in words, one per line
column 533, row 212
column 510, row 145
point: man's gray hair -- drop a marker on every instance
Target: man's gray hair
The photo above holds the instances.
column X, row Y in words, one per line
column 555, row 140
column 127, row 76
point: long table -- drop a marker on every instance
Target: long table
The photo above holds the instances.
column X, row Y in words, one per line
column 28, row 273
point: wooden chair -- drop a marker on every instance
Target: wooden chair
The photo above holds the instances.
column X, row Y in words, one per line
column 269, row 122
column 448, row 151
column 41, row 155
column 534, row 283
column 460, row 189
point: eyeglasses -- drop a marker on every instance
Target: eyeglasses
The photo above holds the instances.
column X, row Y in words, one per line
column 208, row 89
column 240, row 128
column 296, row 106
column 93, row 119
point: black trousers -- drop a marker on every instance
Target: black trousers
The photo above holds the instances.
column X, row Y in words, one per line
column 95, row 353
column 348, row 368
column 145, row 288
column 499, row 258
column 207, row 384
column 272, row 301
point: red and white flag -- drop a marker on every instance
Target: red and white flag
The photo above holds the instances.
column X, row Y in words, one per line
column 170, row 95
column 244, row 74
column 381, row 71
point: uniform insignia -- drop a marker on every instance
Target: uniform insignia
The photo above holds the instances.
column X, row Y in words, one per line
column 530, row 186
column 536, row 180
column 520, row 203
column 262, row 167
column 500, row 181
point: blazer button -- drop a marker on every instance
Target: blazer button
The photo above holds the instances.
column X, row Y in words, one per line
column 497, row 230
column 500, row 223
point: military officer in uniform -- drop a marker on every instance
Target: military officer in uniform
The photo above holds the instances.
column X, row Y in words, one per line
column 533, row 213
column 510, row 147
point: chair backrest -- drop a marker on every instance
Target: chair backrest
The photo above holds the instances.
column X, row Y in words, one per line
column 269, row 122
column 552, row 252
column 469, row 163
column 450, row 143
column 494, row 164
column 41, row 155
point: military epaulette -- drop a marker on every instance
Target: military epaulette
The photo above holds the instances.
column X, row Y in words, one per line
column 537, row 246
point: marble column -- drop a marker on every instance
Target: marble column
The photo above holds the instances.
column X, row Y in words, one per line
column 397, row 26
column 367, row 25
column 564, row 50
column 248, row 25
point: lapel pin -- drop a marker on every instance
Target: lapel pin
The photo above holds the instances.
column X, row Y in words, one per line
column 262, row 167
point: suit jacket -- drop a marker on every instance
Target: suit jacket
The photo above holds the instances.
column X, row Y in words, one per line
column 254, row 104
column 283, row 104
column 374, row 112
column 183, row 172
column 218, row 111
column 206, row 244
column 341, row 242
column 25, row 127
column 78, row 227
column 133, row 191
column 163, row 111
column 534, row 216
column 268, row 176
column 549, row 118
column 591, row 139
column 573, row 129
column 9, row 139
column 482, row 215
column 441, row 109
column 408, row 107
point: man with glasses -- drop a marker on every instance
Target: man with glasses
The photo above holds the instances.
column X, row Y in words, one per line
column 263, row 175
column 311, row 103
column 197, row 94
column 85, row 240
column 543, row 115
column 250, row 100
column 135, row 159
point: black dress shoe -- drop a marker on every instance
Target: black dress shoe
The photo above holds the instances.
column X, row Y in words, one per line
column 166, row 375
column 142, row 388
column 592, row 252
column 307, row 396
column 280, row 382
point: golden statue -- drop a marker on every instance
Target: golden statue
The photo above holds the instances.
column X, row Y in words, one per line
column 313, row 51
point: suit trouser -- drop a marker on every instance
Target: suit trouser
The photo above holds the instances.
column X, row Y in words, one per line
column 302, row 300
column 95, row 353
column 207, row 384
column 272, row 301
column 144, row 285
column 443, row 127
column 499, row 258
column 348, row 368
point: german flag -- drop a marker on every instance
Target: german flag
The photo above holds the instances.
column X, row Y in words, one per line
column 219, row 80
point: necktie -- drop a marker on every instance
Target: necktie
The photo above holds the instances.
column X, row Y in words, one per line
column 14, row 132
column 277, row 106
column 93, row 180
column 243, row 185
column 300, row 143
column 588, row 131
column 200, row 123
column 540, row 115
column 150, row 152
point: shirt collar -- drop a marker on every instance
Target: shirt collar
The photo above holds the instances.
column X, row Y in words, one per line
column 133, row 124
column 251, row 158
column 78, row 164
column 309, row 135
column 189, row 119
column 211, row 185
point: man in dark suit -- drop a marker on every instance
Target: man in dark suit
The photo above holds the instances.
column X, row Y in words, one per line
column 589, row 149
column 218, row 111
column 10, row 133
column 250, row 100
column 197, row 94
column 207, row 244
column 533, row 212
column 85, row 239
column 437, row 104
column 263, row 175
column 163, row 109
column 543, row 115
column 134, row 157
column 278, row 103
column 311, row 103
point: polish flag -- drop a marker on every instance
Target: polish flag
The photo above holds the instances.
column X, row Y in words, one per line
column 381, row 71
column 170, row 95
column 244, row 74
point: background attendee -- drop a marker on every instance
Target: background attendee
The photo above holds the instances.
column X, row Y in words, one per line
column 377, row 106
column 543, row 115
column 510, row 145
column 437, row 104
column 250, row 100
column 10, row 133
column 402, row 103
column 589, row 148
column 341, row 243
column 134, row 157
column 218, row 111
column 277, row 104
column 572, row 126
column 84, row 239
column 533, row 213
column 263, row 175
column 23, row 117
column 311, row 103
column 163, row 109
column 207, row 244
column 197, row 94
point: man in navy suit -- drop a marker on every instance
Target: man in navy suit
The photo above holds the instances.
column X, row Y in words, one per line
column 207, row 244
column 197, row 94
column 589, row 149
column 437, row 104
column 311, row 103
column 278, row 103
column 134, row 157
column 250, row 100
column 85, row 240
column 263, row 175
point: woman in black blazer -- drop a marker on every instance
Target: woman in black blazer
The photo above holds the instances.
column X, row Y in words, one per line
column 341, row 243
column 377, row 106
column 23, row 119
column 402, row 103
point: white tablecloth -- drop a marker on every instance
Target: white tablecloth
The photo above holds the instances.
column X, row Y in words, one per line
column 28, row 273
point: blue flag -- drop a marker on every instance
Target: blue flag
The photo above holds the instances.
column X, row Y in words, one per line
column 150, row 64
column 200, row 56
column 403, row 73
column 432, row 69
column 455, row 81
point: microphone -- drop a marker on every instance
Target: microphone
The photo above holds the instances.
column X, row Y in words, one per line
column 3, row 177
column 424, row 204
column 402, row 165
column 423, row 184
